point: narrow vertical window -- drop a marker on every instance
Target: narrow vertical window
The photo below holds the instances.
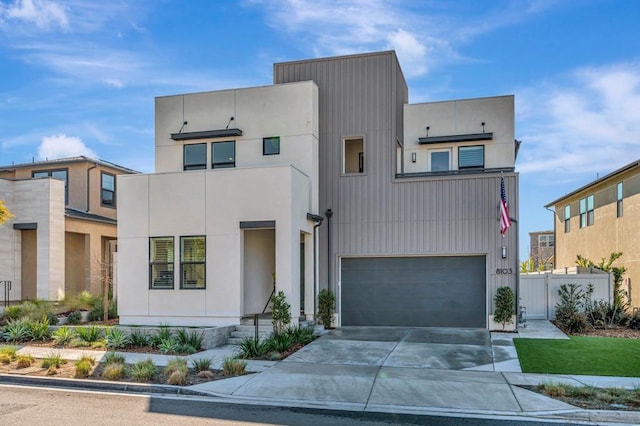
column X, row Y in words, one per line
column 161, row 262
column 353, row 156
column 583, row 212
column 193, row 262
column 195, row 156
column 590, row 210
column 108, row 190
column 223, row 154
column 271, row 146
column 619, row 197
column 567, row 218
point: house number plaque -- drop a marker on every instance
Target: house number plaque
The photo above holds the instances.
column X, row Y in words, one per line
column 504, row 271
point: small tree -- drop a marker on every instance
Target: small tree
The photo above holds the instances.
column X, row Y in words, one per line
column 326, row 304
column 5, row 214
column 505, row 306
column 280, row 311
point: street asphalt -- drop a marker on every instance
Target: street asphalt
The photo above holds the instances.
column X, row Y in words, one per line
column 402, row 370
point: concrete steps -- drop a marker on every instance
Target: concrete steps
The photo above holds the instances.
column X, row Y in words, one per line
column 247, row 329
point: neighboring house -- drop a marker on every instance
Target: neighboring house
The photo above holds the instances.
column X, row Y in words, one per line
column 541, row 249
column 326, row 179
column 62, row 238
column 600, row 218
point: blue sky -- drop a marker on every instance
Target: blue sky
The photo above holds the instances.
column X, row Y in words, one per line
column 80, row 76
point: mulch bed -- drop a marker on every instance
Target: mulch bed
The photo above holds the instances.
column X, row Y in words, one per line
column 621, row 332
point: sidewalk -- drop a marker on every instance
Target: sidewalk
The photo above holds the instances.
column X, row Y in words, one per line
column 396, row 389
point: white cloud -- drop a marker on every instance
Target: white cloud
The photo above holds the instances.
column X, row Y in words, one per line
column 410, row 50
column 587, row 122
column 42, row 13
column 62, row 146
column 114, row 82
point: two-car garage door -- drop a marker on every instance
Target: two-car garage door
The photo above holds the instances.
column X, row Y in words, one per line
column 414, row 291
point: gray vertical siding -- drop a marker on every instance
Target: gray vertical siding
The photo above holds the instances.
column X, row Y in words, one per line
column 376, row 213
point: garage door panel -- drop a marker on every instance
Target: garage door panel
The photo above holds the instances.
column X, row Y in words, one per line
column 414, row 291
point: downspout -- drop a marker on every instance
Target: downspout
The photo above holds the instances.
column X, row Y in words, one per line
column 329, row 214
column 517, row 271
column 554, row 235
column 88, row 191
column 318, row 220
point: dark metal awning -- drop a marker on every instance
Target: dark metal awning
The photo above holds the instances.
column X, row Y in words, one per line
column 206, row 134
column 457, row 138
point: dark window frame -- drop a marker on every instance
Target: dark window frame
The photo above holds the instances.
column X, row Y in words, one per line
column 102, row 190
column 193, row 262
column 361, row 155
column 619, row 199
column 587, row 211
column 270, row 139
column 567, row 218
column 170, row 265
column 463, row 148
column 50, row 174
column 223, row 164
column 195, row 166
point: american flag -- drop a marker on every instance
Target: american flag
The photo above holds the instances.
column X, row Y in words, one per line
column 505, row 222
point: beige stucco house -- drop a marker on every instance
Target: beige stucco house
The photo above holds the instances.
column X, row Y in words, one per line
column 326, row 179
column 63, row 236
column 600, row 218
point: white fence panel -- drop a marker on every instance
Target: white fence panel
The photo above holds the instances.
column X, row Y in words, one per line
column 539, row 292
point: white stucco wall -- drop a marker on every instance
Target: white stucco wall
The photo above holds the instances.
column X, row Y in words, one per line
column 460, row 117
column 38, row 201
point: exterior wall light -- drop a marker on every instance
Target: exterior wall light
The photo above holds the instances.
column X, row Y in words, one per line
column 413, row 157
column 504, row 252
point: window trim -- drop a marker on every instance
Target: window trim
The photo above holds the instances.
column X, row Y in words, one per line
column 429, row 163
column 226, row 164
column 50, row 174
column 619, row 199
column 264, row 145
column 567, row 218
column 199, row 166
column 113, row 193
column 183, row 262
column 172, row 263
column 480, row 167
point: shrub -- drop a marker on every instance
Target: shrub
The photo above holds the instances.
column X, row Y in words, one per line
column 74, row 318
column 252, row 348
column 169, row 346
column 233, row 366
column 24, row 361
column 634, row 320
column 326, row 305
column 143, row 371
column 84, row 301
column 117, row 338
column 8, row 354
column 53, row 359
column 191, row 338
column 505, row 306
column 569, row 309
column 178, row 378
column 17, row 330
column 176, row 365
column 280, row 342
column 163, row 333
column 39, row 329
column 89, row 334
column 5, row 359
column 63, row 335
column 113, row 358
column 83, row 366
column 12, row 312
column 302, row 335
column 97, row 311
column 280, row 312
column 201, row 364
column 139, row 338
column 114, row 371
column 186, row 349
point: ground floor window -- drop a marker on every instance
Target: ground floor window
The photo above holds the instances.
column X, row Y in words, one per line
column 193, row 262
column 161, row 262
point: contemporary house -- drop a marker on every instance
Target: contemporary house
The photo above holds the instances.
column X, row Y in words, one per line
column 62, row 238
column 541, row 249
column 600, row 218
column 326, row 179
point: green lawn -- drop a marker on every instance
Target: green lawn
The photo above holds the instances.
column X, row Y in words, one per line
column 600, row 356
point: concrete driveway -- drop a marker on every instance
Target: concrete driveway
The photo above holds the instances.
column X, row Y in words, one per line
column 427, row 348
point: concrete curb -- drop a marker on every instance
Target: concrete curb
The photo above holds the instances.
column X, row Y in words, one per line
column 99, row 385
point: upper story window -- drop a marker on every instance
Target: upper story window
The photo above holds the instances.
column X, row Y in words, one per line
column 471, row 157
column 223, row 154
column 195, row 156
column 353, row 156
column 546, row 240
column 108, row 190
column 619, row 197
column 193, row 262
column 567, row 218
column 271, row 146
column 161, row 262
column 439, row 160
column 62, row 174
column 587, row 215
